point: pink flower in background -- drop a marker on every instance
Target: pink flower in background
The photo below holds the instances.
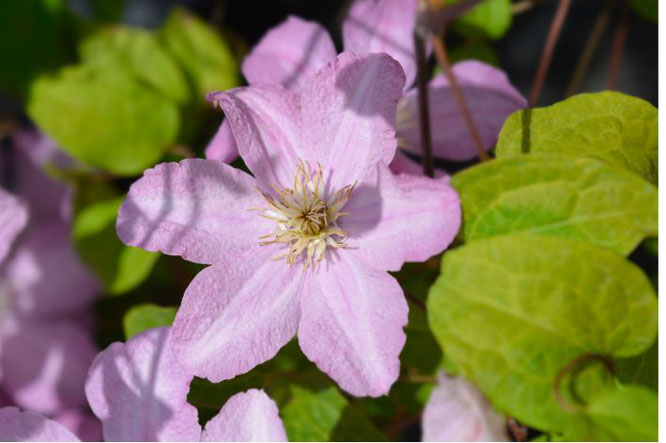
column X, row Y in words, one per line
column 457, row 411
column 139, row 392
column 304, row 245
column 45, row 344
column 296, row 49
column 16, row 425
column 13, row 218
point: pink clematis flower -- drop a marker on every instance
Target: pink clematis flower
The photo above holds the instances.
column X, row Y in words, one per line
column 457, row 411
column 17, row 425
column 45, row 349
column 297, row 49
column 139, row 392
column 13, row 218
column 304, row 245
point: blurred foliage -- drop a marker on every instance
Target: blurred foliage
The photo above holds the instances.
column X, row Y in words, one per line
column 325, row 416
column 43, row 46
column 120, row 268
column 647, row 9
column 135, row 94
column 490, row 18
column 146, row 316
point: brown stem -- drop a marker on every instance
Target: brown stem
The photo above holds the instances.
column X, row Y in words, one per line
column 518, row 431
column 590, row 46
column 439, row 48
column 523, row 6
column 183, row 150
column 618, row 46
column 424, row 105
column 548, row 49
column 574, row 364
column 414, row 299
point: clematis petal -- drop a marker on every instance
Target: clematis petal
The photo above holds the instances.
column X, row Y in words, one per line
column 16, row 425
column 197, row 209
column 45, row 274
column 351, row 324
column 400, row 218
column 289, row 53
column 139, row 391
column 457, row 411
column 383, row 26
column 13, row 218
column 248, row 416
column 348, row 112
column 402, row 164
column 223, row 145
column 82, row 423
column 265, row 121
column 47, row 197
column 237, row 314
column 491, row 99
column 43, row 363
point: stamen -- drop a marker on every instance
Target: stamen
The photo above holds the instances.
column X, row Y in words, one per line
column 305, row 221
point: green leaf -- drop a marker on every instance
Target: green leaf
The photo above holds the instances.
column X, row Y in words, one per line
column 141, row 54
column 513, row 311
column 579, row 198
column 625, row 413
column 326, row 416
column 647, row 9
column 33, row 37
column 641, row 369
column 611, row 126
column 204, row 55
column 104, row 118
column 120, row 268
column 474, row 50
column 147, row 316
column 490, row 18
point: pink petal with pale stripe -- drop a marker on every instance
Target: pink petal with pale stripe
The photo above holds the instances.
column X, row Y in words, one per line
column 383, row 26
column 139, row 391
column 289, row 53
column 238, row 314
column 351, row 325
column 348, row 114
column 401, row 218
column 248, row 416
column 198, row 209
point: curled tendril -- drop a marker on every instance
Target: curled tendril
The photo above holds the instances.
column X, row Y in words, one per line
column 573, row 366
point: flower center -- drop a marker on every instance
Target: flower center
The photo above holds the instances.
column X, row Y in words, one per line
column 306, row 222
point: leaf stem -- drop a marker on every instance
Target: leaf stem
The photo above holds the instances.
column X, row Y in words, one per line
column 424, row 105
column 439, row 48
column 618, row 46
column 590, row 47
column 572, row 366
column 548, row 49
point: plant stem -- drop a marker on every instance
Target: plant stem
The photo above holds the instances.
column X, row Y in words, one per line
column 618, row 46
column 439, row 48
column 548, row 49
column 590, row 46
column 424, row 105
column 523, row 6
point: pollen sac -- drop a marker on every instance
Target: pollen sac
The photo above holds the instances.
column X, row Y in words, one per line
column 305, row 219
